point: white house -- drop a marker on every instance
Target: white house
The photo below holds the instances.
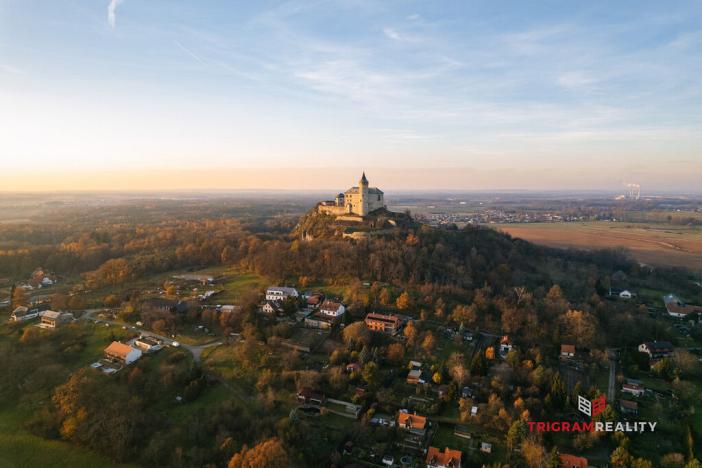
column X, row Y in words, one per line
column 332, row 309
column 272, row 307
column 148, row 343
column 626, row 294
column 122, row 352
column 22, row 313
column 633, row 389
column 279, row 293
column 53, row 319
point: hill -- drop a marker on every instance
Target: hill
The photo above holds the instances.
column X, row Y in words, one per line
column 315, row 224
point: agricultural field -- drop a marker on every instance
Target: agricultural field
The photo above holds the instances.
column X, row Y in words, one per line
column 654, row 244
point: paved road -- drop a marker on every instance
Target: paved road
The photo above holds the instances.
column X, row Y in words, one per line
column 195, row 350
column 611, row 387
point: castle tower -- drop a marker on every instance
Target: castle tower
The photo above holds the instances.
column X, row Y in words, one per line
column 363, row 189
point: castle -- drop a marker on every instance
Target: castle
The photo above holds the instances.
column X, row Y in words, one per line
column 359, row 201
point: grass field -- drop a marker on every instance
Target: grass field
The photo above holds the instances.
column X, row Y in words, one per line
column 19, row 449
column 654, row 244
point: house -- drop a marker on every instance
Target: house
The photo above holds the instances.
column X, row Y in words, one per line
column 412, row 422
column 332, row 309
column 656, row 349
column 313, row 300
column 52, row 319
column 321, row 321
column 165, row 305
column 121, row 352
column 505, row 345
column 389, row 324
column 571, row 461
column 353, row 367
column 414, row 377
column 447, row 459
column 628, row 407
column 633, row 389
column 273, row 308
column 148, row 344
column 626, row 294
column 567, row 351
column 22, row 313
column 280, row 293
column 309, row 396
column 229, row 309
column 677, row 308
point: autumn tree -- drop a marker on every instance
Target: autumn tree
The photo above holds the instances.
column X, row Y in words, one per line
column 579, row 327
column 404, row 301
column 269, row 453
column 410, row 332
column 428, row 342
column 19, row 297
column 357, row 333
column 396, row 353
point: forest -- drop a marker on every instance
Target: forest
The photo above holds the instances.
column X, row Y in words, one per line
column 472, row 278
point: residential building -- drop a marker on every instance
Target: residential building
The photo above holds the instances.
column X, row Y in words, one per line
column 628, row 407
column 567, row 351
column 505, row 345
column 414, row 377
column 52, row 319
column 633, row 389
column 677, row 308
column 314, row 300
column 22, row 313
column 322, row 321
column 389, row 324
column 571, row 461
column 332, row 309
column 412, row 422
column 148, row 344
column 309, row 396
column 656, row 349
column 280, row 293
column 165, row 305
column 122, row 353
column 273, row 308
column 447, row 459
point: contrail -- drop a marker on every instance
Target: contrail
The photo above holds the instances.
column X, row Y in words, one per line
column 111, row 17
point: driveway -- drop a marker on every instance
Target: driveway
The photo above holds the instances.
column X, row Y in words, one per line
column 195, row 350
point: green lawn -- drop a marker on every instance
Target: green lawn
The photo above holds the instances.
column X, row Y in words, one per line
column 19, row 449
column 236, row 284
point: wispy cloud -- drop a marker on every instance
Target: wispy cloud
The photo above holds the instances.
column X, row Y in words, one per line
column 111, row 12
column 395, row 35
column 190, row 53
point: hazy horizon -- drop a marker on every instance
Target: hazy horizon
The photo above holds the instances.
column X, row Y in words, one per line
column 133, row 95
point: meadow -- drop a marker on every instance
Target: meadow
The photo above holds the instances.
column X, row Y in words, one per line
column 654, row 244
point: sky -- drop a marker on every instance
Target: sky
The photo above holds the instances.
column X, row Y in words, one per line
column 171, row 94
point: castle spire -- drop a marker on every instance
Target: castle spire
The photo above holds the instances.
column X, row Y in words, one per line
column 363, row 180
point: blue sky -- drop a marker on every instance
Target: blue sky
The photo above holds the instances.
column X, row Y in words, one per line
column 304, row 94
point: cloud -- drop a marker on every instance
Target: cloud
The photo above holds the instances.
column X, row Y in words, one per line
column 111, row 10
column 573, row 80
column 398, row 36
